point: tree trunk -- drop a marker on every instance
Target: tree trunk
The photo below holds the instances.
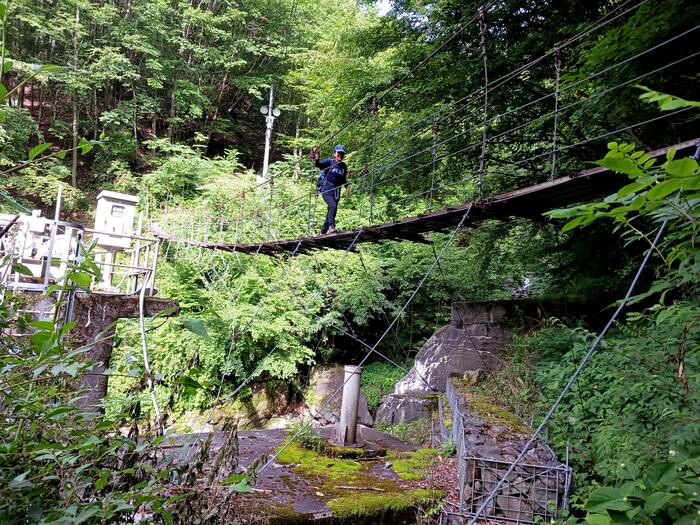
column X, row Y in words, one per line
column 172, row 113
column 42, row 95
column 136, row 135
column 215, row 113
column 32, row 96
column 97, row 113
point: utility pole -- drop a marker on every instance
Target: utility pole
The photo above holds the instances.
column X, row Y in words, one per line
column 270, row 115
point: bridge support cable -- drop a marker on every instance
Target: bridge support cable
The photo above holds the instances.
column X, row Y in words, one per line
column 572, row 378
column 494, row 84
column 374, row 347
column 557, row 80
column 560, row 110
column 436, row 133
column 234, row 338
column 375, row 108
column 484, row 136
column 347, row 330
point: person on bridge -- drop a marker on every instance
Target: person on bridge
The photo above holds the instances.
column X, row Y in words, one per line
column 333, row 176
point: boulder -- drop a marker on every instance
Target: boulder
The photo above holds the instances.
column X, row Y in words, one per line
column 450, row 350
column 397, row 408
column 324, row 381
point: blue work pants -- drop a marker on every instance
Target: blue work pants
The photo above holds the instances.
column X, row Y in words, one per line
column 331, row 197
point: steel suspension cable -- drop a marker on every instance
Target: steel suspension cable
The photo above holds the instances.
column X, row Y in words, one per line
column 532, row 121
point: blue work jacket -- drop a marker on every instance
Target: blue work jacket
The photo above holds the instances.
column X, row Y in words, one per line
column 333, row 174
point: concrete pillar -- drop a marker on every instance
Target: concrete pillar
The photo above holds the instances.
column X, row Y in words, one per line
column 347, row 428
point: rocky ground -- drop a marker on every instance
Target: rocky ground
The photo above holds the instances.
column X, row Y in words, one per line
column 386, row 484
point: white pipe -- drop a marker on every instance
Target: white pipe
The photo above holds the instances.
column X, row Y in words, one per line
column 347, row 428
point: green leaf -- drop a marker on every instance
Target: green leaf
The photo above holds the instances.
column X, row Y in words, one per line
column 85, row 146
column 21, row 269
column 42, row 325
column 21, row 481
column 656, row 501
column 621, row 165
column 49, row 68
column 681, row 167
column 235, row 478
column 37, row 150
column 188, row 382
column 7, row 66
column 598, row 519
column 664, row 189
column 196, row 326
column 82, row 279
column 607, row 498
column 61, row 154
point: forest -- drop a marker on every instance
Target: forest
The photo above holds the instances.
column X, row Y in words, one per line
column 438, row 104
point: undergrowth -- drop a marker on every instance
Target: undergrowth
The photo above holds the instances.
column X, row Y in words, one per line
column 378, row 380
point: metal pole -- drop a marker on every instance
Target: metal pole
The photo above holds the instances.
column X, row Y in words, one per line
column 347, row 428
column 375, row 107
column 436, row 130
column 269, row 119
column 484, row 137
column 557, row 70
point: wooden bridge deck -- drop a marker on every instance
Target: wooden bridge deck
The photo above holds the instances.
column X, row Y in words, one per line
column 529, row 202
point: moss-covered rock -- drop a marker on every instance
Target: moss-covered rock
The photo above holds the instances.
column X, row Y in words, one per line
column 316, row 463
column 412, row 465
column 357, row 492
column 372, row 506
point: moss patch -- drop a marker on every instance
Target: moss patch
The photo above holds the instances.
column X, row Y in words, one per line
column 497, row 415
column 336, row 451
column 315, row 463
column 366, row 506
column 412, row 465
column 492, row 414
column 446, row 412
column 353, row 492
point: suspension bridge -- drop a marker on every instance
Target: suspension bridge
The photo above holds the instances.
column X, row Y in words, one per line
column 528, row 202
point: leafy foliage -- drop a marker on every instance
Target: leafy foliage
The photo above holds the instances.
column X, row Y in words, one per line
column 378, row 380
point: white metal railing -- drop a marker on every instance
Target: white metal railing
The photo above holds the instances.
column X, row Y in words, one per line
column 46, row 248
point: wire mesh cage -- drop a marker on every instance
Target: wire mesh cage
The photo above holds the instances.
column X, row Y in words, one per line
column 530, row 493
